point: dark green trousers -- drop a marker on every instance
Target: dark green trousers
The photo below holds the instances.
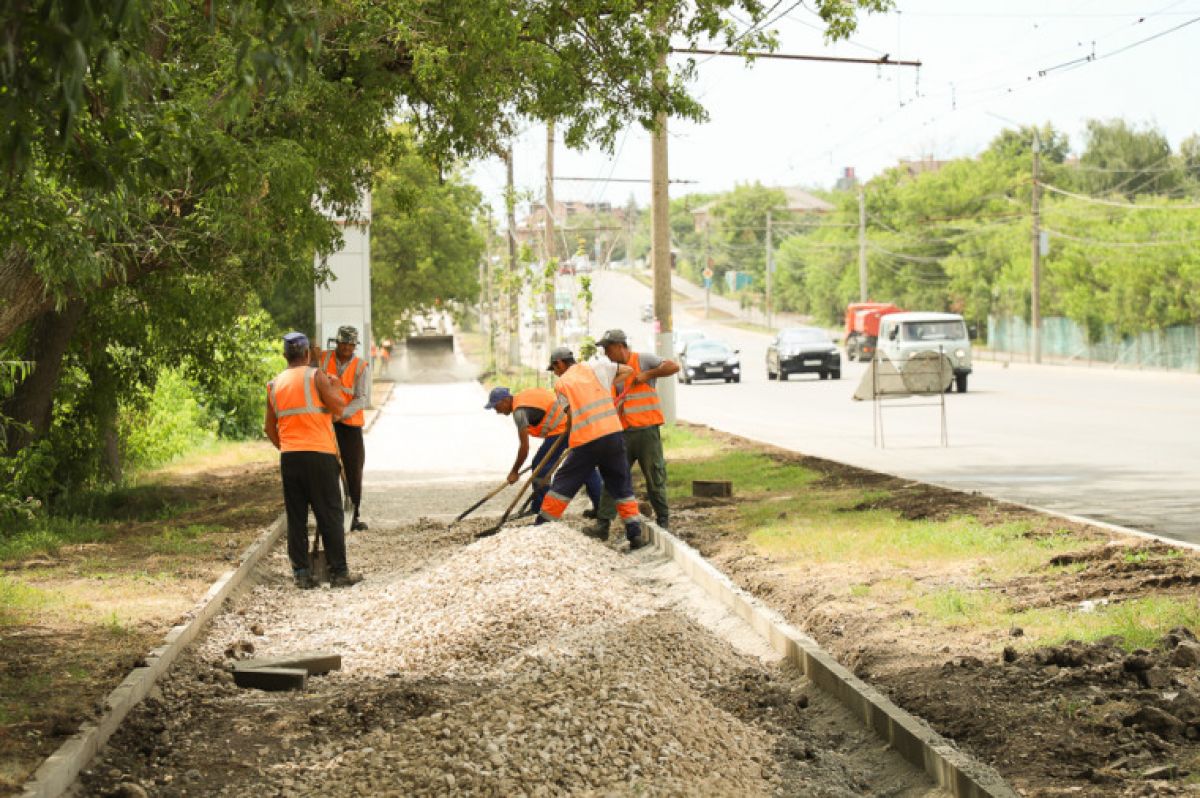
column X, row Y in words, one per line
column 643, row 445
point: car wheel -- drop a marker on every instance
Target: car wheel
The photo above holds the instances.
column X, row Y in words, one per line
column 824, row 375
column 783, row 375
column 837, row 375
column 728, row 380
column 738, row 378
column 960, row 382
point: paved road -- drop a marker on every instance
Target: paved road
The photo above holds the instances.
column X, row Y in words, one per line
column 1117, row 446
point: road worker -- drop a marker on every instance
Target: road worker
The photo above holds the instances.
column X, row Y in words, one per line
column 595, row 441
column 353, row 376
column 641, row 416
column 301, row 403
column 536, row 413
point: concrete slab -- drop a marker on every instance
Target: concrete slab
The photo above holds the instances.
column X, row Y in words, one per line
column 272, row 679
column 314, row 663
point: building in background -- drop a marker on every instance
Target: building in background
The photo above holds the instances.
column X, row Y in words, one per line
column 346, row 298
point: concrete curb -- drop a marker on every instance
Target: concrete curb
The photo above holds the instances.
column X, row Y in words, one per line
column 59, row 770
column 950, row 768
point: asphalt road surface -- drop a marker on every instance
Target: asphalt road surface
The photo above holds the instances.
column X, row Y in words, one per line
column 1116, row 446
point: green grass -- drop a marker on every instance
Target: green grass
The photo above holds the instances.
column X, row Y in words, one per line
column 1139, row 622
column 19, row 601
column 953, row 606
column 184, row 540
column 48, row 535
column 681, row 443
column 860, row 591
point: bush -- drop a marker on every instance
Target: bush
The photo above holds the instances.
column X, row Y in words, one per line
column 233, row 385
column 166, row 423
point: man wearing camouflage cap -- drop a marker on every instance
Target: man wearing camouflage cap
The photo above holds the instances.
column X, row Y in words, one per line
column 353, row 376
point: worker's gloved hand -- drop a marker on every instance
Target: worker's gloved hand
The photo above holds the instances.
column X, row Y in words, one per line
column 513, row 476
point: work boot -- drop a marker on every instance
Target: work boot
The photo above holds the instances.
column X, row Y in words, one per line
column 638, row 542
column 345, row 580
column 304, row 581
column 598, row 530
column 357, row 525
column 590, row 513
column 636, row 536
column 662, row 522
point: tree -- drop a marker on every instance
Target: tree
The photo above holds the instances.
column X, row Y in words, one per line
column 739, row 228
column 426, row 243
column 1123, row 159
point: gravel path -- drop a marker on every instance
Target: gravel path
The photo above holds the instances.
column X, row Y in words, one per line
column 536, row 662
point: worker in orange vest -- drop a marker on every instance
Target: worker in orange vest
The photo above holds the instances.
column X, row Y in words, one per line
column 353, row 375
column 301, row 403
column 536, row 413
column 595, row 441
column 641, row 416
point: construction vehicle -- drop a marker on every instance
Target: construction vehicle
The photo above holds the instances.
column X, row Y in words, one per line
column 904, row 336
column 862, row 327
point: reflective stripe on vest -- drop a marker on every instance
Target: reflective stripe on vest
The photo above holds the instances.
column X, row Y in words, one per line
column 641, row 406
column 554, row 420
column 346, row 376
column 592, row 413
column 303, row 420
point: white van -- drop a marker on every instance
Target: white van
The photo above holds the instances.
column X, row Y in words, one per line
column 902, row 335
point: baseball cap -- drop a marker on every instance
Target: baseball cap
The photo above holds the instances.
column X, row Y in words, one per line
column 294, row 343
column 498, row 395
column 560, row 353
column 613, row 337
column 347, row 334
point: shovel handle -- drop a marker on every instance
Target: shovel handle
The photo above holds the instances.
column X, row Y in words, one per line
column 553, row 451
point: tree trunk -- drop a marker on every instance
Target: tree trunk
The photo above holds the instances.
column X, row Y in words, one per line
column 32, row 403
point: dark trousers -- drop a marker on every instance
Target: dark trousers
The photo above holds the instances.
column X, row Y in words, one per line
column 607, row 454
column 311, row 479
column 354, row 454
column 541, row 468
column 643, row 445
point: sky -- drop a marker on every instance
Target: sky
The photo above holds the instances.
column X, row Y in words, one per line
column 986, row 65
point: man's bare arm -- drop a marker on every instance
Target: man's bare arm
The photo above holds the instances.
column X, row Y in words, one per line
column 271, row 423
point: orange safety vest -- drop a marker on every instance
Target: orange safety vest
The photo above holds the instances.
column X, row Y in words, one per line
column 304, row 421
column 554, row 422
column 641, row 406
column 592, row 413
column 346, row 377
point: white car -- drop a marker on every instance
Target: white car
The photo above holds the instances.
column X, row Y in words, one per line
column 902, row 335
column 683, row 337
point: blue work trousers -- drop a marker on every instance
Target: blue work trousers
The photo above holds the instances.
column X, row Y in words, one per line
column 606, row 454
column 541, row 466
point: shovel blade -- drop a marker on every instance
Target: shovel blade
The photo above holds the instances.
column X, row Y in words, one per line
column 318, row 566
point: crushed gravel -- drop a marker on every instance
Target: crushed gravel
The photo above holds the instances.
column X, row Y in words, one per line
column 536, row 662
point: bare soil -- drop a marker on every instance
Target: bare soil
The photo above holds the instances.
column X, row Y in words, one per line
column 1074, row 719
column 56, row 667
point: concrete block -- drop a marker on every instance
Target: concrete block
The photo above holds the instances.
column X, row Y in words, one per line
column 314, row 663
column 715, row 488
column 271, row 678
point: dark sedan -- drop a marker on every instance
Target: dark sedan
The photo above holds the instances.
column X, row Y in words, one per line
column 706, row 359
column 803, row 350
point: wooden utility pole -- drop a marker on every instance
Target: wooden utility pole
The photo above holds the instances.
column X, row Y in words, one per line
column 514, row 289
column 862, row 245
column 770, row 274
column 551, row 266
column 1035, row 299
column 660, row 249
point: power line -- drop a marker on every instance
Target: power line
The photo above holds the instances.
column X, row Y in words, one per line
column 885, row 60
column 1112, row 204
column 1123, row 244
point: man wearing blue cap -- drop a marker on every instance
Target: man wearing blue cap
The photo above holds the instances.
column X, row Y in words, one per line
column 536, row 412
column 301, row 403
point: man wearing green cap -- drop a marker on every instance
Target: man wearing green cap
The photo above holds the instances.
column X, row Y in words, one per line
column 641, row 416
column 353, row 376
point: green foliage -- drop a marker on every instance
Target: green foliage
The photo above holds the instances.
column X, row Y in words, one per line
column 166, row 422
column 425, row 243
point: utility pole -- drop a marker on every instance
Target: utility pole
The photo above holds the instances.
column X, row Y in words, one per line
column 770, row 273
column 660, row 236
column 551, row 267
column 514, row 289
column 862, row 245
column 1035, row 300
column 708, row 280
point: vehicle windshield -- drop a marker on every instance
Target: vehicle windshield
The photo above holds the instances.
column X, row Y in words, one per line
column 683, row 336
column 803, row 337
column 934, row 330
column 708, row 349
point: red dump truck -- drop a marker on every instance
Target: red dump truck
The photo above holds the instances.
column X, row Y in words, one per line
column 862, row 327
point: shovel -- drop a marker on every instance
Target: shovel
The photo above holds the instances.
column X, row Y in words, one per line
column 318, row 566
column 484, row 500
column 553, row 451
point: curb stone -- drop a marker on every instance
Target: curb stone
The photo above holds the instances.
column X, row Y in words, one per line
column 911, row 737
